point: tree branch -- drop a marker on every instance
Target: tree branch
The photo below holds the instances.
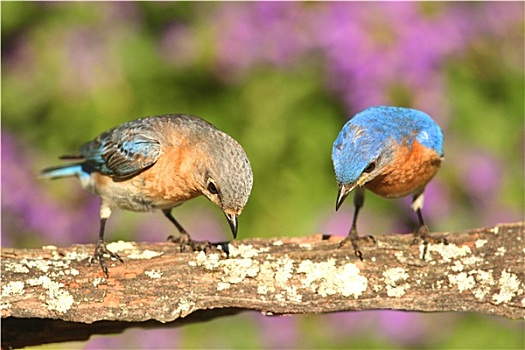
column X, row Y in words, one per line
column 52, row 295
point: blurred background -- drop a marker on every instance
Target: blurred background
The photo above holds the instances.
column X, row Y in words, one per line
column 282, row 79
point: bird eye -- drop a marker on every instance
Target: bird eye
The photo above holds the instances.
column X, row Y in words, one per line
column 212, row 188
column 370, row 167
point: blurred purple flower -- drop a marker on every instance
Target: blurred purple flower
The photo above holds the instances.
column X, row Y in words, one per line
column 259, row 32
column 437, row 204
column 368, row 48
column 278, row 332
column 343, row 325
column 206, row 225
column 401, row 327
column 87, row 66
column 497, row 19
column 481, row 174
column 339, row 223
column 32, row 211
column 124, row 14
column 179, row 46
column 498, row 214
column 386, row 44
column 87, row 62
column 138, row 339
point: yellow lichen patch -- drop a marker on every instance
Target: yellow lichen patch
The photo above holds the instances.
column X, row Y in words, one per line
column 326, row 278
column 509, row 285
column 395, row 282
column 57, row 299
column 447, row 252
column 462, row 281
column 153, row 273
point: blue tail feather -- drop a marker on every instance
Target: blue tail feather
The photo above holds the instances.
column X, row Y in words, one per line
column 77, row 169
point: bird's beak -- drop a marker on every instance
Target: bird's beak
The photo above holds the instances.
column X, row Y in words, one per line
column 344, row 191
column 232, row 220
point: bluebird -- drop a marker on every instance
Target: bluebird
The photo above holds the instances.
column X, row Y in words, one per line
column 158, row 163
column 391, row 151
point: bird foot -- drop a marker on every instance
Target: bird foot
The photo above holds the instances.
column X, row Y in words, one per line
column 353, row 238
column 185, row 241
column 423, row 235
column 100, row 251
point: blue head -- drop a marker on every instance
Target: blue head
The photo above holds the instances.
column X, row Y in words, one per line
column 368, row 141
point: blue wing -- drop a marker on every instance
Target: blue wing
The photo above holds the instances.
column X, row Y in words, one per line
column 123, row 151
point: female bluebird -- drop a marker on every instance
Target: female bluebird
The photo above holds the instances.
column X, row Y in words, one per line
column 157, row 163
column 393, row 152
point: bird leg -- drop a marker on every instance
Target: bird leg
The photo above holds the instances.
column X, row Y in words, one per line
column 184, row 238
column 359, row 200
column 100, row 248
column 422, row 232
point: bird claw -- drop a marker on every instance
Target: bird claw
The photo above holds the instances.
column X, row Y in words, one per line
column 353, row 238
column 100, row 250
column 185, row 240
column 423, row 235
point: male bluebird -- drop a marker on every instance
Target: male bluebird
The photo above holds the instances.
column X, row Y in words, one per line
column 393, row 152
column 160, row 162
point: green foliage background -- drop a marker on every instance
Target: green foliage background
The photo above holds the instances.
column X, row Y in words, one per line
column 73, row 70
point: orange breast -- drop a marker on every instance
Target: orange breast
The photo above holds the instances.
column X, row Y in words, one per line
column 167, row 183
column 171, row 178
column 410, row 171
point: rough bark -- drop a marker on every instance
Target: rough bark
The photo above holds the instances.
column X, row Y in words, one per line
column 52, row 294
